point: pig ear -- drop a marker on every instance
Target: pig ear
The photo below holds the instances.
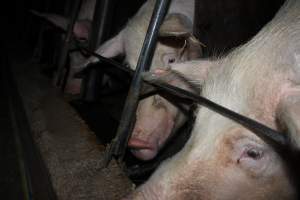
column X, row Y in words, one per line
column 177, row 31
column 288, row 115
column 194, row 72
column 81, row 28
column 55, row 19
column 112, row 47
column 176, row 25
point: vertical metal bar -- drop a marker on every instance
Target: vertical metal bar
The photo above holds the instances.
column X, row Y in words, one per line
column 100, row 28
column 101, row 19
column 66, row 44
column 119, row 143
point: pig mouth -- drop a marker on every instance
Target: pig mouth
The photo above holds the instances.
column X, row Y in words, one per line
column 143, row 150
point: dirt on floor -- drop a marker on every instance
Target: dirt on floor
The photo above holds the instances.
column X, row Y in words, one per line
column 70, row 150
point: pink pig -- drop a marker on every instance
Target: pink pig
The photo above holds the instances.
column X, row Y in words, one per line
column 222, row 159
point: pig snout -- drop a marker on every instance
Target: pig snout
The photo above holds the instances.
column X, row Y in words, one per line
column 153, row 127
column 141, row 148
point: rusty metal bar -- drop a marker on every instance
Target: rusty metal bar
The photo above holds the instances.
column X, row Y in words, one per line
column 119, row 143
column 66, row 44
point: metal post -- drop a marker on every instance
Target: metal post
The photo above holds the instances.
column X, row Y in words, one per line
column 100, row 28
column 119, row 143
column 67, row 41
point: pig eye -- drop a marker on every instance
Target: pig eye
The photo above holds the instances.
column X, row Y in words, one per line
column 255, row 154
column 169, row 59
column 251, row 153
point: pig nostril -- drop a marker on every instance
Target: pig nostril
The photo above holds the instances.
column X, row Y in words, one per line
column 141, row 149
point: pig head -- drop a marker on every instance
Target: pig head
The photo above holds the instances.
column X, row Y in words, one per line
column 223, row 160
column 157, row 120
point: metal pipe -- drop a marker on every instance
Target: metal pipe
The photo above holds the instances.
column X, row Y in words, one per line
column 119, row 143
column 66, row 44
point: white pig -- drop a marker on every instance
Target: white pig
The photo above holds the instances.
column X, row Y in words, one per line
column 223, row 160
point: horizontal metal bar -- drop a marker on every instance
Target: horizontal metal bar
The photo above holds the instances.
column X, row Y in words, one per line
column 267, row 134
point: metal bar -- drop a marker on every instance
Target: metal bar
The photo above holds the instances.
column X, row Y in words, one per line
column 100, row 28
column 66, row 44
column 35, row 177
column 119, row 143
column 267, row 134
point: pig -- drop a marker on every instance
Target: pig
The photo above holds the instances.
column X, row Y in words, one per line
column 222, row 159
column 157, row 119
column 81, row 31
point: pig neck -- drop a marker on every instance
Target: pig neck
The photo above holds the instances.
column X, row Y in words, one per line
column 251, row 79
